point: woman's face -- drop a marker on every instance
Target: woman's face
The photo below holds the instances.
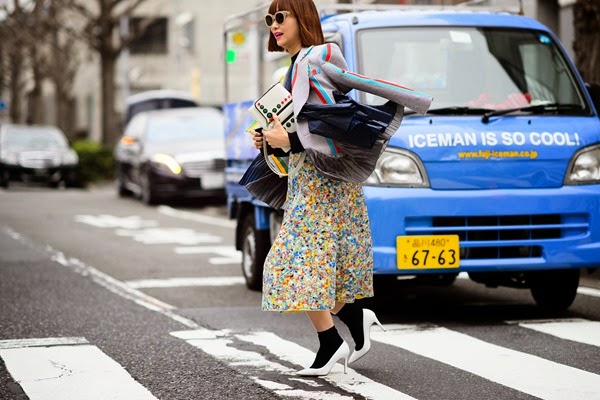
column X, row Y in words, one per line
column 287, row 34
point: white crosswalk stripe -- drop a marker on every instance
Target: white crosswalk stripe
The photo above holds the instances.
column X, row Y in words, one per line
column 524, row 372
column 68, row 369
column 582, row 331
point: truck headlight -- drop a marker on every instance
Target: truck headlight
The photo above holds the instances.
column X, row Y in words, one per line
column 165, row 161
column 398, row 167
column 585, row 167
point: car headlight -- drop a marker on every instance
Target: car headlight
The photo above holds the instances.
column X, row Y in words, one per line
column 70, row 158
column 165, row 160
column 400, row 168
column 585, row 167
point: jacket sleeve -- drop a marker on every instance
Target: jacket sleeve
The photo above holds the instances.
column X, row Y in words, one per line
column 335, row 67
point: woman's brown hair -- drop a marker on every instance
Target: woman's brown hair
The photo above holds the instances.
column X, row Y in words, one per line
column 309, row 23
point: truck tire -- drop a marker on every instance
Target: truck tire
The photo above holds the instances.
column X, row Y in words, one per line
column 554, row 290
column 255, row 247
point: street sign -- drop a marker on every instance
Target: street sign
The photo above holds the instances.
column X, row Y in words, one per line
column 2, row 105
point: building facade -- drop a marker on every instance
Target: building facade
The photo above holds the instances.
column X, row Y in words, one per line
column 184, row 49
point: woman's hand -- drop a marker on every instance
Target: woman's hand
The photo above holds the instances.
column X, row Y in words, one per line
column 277, row 137
column 257, row 139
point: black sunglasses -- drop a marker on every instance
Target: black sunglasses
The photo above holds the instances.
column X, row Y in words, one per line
column 279, row 17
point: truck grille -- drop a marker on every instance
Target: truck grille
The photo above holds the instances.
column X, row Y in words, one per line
column 484, row 237
column 195, row 169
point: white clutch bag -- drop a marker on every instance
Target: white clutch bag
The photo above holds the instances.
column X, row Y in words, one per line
column 276, row 101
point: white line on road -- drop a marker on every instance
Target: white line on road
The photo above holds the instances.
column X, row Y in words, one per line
column 204, row 219
column 182, row 236
column 588, row 291
column 119, row 287
column 186, row 282
column 530, row 374
column 352, row 382
column 229, row 255
column 76, row 371
column 582, row 331
column 217, row 344
column 44, row 342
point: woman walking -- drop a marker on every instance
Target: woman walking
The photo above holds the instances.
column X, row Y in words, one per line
column 321, row 260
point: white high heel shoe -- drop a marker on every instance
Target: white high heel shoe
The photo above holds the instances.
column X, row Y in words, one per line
column 369, row 318
column 341, row 353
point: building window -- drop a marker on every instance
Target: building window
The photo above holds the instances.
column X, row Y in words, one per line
column 154, row 37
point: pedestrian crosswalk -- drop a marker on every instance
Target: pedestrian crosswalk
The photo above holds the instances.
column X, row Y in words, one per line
column 73, row 368
column 68, row 368
column 526, row 373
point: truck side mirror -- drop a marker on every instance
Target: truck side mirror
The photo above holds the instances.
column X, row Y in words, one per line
column 594, row 91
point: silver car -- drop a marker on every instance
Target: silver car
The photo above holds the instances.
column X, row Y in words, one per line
column 36, row 154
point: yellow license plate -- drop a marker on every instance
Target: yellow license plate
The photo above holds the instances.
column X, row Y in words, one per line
column 428, row 252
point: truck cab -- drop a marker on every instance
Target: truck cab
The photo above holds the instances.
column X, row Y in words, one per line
column 500, row 179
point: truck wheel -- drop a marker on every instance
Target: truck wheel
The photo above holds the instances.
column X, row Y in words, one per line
column 255, row 247
column 554, row 290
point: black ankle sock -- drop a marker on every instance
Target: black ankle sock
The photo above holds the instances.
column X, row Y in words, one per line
column 352, row 316
column 329, row 341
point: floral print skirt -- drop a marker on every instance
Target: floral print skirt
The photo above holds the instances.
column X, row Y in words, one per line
column 323, row 251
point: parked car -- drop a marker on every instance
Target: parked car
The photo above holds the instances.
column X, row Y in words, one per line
column 36, row 154
column 175, row 153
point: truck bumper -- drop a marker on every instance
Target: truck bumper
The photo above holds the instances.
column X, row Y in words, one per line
column 499, row 230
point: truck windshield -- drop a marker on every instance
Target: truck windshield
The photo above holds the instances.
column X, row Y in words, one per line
column 465, row 67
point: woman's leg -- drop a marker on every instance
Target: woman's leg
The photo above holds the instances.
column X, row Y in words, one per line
column 331, row 345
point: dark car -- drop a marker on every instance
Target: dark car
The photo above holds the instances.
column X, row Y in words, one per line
column 170, row 154
column 36, row 154
column 157, row 100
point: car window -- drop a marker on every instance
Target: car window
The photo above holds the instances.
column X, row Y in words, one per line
column 163, row 129
column 135, row 128
column 33, row 138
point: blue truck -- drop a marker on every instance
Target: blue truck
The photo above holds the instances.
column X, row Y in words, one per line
column 501, row 179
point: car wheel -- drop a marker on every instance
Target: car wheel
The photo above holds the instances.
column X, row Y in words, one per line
column 255, row 247
column 122, row 191
column 148, row 196
column 4, row 180
column 554, row 290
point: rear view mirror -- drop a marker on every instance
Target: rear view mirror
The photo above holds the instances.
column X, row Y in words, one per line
column 594, row 91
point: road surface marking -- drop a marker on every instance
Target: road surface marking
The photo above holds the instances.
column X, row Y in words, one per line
column 588, row 291
column 524, row 372
column 44, row 342
column 218, row 344
column 204, row 219
column 352, row 382
column 229, row 255
column 186, row 282
column 582, row 331
column 60, row 370
column 111, row 221
column 182, row 236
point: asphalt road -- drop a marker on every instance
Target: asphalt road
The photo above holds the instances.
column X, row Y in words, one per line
column 103, row 297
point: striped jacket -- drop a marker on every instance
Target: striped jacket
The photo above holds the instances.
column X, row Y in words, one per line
column 317, row 73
